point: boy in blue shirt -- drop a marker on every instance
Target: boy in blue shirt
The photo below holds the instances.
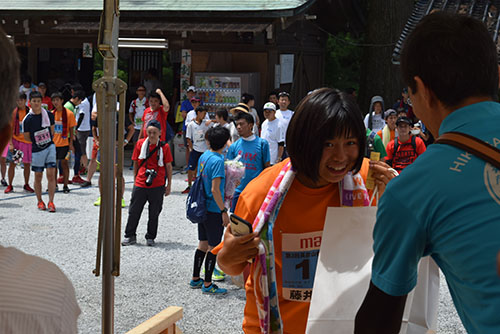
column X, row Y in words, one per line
column 211, row 170
column 253, row 150
column 450, row 65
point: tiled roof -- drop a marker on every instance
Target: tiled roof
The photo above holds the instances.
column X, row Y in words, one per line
column 155, row 5
column 485, row 10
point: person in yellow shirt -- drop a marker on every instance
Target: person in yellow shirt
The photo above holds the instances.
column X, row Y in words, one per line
column 63, row 135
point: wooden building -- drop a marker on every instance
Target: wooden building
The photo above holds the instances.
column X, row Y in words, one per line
column 55, row 37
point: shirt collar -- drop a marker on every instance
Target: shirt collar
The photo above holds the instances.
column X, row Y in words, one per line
column 252, row 137
column 459, row 118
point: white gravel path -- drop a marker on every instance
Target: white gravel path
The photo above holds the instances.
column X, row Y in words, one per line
column 152, row 278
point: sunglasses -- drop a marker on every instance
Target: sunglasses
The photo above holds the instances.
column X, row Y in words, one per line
column 283, row 94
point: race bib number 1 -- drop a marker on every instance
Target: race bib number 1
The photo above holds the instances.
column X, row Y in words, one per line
column 299, row 258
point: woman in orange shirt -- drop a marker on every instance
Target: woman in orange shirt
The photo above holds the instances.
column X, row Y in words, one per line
column 325, row 140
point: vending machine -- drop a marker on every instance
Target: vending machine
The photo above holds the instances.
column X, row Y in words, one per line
column 223, row 90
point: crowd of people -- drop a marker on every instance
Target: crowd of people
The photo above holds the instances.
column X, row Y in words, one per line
column 299, row 163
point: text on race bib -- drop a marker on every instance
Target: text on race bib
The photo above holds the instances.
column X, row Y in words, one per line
column 300, row 254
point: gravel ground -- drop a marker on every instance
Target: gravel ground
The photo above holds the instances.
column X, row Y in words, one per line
column 152, row 278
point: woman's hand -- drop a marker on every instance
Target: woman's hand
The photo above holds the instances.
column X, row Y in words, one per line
column 382, row 173
column 234, row 255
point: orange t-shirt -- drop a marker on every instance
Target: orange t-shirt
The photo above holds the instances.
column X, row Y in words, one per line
column 22, row 115
column 58, row 128
column 298, row 228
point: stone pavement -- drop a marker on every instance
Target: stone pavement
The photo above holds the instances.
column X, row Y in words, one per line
column 152, row 278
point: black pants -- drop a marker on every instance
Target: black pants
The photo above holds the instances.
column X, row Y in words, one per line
column 154, row 196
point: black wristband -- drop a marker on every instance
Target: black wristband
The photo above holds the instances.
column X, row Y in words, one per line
column 223, row 210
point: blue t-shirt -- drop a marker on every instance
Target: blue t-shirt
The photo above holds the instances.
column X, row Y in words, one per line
column 254, row 154
column 187, row 107
column 212, row 164
column 447, row 205
column 41, row 138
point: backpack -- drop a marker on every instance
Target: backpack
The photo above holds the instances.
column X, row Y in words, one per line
column 370, row 144
column 396, row 146
column 196, row 209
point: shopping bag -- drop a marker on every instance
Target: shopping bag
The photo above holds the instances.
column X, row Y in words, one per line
column 343, row 275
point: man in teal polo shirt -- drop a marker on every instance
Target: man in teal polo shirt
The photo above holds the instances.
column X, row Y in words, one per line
column 447, row 203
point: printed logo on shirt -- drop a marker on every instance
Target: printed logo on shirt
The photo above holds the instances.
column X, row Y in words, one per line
column 299, row 258
column 248, row 159
column 199, row 136
column 492, row 181
column 151, row 116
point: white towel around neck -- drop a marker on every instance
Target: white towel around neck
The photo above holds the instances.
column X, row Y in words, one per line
column 45, row 117
column 144, row 150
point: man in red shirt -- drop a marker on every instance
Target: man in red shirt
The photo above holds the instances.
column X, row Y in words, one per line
column 152, row 166
column 156, row 111
column 405, row 151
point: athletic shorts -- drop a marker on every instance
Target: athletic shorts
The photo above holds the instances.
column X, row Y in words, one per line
column 62, row 152
column 82, row 140
column 211, row 229
column 45, row 158
column 19, row 145
column 194, row 156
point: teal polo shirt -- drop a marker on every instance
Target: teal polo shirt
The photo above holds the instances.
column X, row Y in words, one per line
column 447, row 205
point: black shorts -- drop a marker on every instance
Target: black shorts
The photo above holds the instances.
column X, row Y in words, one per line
column 211, row 229
column 62, row 152
column 194, row 156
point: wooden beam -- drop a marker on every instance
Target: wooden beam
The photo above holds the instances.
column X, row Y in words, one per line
column 162, row 323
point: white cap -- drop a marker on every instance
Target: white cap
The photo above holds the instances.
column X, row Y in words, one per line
column 191, row 89
column 270, row 105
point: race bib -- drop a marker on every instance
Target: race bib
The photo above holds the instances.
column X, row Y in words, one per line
column 58, row 127
column 42, row 137
column 299, row 258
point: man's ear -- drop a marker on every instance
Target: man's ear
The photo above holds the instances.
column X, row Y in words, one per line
column 427, row 96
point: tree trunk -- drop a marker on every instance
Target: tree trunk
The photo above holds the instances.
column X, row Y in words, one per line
column 386, row 20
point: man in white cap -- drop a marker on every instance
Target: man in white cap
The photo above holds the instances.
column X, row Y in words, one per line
column 274, row 132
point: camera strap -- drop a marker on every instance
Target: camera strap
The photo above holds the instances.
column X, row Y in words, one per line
column 150, row 154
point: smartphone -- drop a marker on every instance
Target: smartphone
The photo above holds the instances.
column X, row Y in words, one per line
column 239, row 226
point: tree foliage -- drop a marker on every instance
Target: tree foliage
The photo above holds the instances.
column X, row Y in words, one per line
column 343, row 61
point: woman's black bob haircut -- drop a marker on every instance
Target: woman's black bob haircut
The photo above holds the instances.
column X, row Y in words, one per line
column 323, row 115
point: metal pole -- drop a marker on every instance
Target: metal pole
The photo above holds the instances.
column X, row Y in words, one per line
column 108, row 46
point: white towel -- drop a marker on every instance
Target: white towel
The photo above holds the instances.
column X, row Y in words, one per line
column 45, row 117
column 144, row 150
